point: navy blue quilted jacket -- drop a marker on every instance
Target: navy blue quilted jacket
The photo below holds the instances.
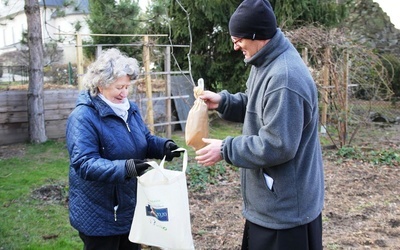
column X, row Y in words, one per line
column 101, row 198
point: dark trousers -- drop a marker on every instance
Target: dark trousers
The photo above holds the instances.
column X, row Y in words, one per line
column 304, row 237
column 116, row 242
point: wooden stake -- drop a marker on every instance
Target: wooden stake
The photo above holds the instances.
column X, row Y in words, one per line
column 167, row 64
column 345, row 100
column 149, row 89
column 79, row 59
column 324, row 90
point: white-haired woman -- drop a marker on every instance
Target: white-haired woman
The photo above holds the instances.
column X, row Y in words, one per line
column 108, row 143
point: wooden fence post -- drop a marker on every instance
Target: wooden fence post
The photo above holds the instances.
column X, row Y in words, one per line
column 345, row 100
column 149, row 89
column 324, row 90
column 304, row 55
column 167, row 63
column 79, row 59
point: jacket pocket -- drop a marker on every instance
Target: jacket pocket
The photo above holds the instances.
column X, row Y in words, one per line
column 269, row 181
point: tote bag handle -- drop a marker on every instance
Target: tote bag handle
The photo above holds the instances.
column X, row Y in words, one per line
column 160, row 167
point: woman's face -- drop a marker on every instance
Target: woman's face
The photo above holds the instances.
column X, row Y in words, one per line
column 118, row 90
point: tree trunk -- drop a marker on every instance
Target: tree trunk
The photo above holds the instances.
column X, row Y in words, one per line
column 37, row 130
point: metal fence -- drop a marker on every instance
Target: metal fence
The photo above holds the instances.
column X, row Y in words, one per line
column 14, row 75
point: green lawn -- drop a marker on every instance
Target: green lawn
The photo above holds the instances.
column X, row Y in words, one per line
column 30, row 221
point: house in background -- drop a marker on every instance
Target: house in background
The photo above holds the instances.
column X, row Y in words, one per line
column 58, row 17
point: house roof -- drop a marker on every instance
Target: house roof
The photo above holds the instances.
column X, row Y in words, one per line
column 81, row 5
column 51, row 2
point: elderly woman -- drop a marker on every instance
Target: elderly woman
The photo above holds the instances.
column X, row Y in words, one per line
column 108, row 143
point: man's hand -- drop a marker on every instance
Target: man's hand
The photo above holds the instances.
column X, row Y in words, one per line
column 211, row 99
column 210, row 154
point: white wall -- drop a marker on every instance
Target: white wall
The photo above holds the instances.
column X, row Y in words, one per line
column 13, row 22
column 11, row 30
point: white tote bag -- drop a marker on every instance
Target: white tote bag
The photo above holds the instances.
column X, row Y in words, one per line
column 162, row 216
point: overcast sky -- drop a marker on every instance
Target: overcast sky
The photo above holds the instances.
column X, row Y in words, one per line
column 392, row 9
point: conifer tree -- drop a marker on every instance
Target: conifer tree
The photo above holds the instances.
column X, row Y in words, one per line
column 212, row 56
column 113, row 17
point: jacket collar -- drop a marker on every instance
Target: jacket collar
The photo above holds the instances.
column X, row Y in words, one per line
column 98, row 104
column 276, row 46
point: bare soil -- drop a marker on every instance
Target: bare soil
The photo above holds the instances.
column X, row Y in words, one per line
column 361, row 209
column 362, row 201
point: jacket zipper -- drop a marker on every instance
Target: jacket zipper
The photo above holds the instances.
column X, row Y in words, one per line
column 116, row 203
column 127, row 126
column 115, row 212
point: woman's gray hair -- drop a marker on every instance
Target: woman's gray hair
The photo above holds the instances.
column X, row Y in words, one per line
column 110, row 65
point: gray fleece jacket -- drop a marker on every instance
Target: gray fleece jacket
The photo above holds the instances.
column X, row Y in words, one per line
column 279, row 111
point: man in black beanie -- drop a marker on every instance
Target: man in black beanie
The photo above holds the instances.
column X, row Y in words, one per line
column 279, row 153
column 253, row 20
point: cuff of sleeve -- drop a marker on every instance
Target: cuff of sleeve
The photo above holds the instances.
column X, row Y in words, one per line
column 130, row 168
column 220, row 108
column 222, row 149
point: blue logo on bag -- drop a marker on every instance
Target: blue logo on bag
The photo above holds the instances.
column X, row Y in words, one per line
column 160, row 214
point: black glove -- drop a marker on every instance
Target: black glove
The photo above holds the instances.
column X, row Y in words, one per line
column 168, row 148
column 135, row 167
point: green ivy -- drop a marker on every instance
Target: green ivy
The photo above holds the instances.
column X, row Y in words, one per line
column 349, row 152
column 200, row 176
column 381, row 157
column 387, row 157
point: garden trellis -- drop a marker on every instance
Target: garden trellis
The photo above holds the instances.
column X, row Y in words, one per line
column 146, row 44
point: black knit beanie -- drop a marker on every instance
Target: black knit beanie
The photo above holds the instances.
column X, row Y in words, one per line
column 253, row 19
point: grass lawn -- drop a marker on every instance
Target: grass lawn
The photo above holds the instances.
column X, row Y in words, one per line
column 29, row 219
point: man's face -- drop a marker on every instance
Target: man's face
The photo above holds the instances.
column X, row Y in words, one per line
column 248, row 47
